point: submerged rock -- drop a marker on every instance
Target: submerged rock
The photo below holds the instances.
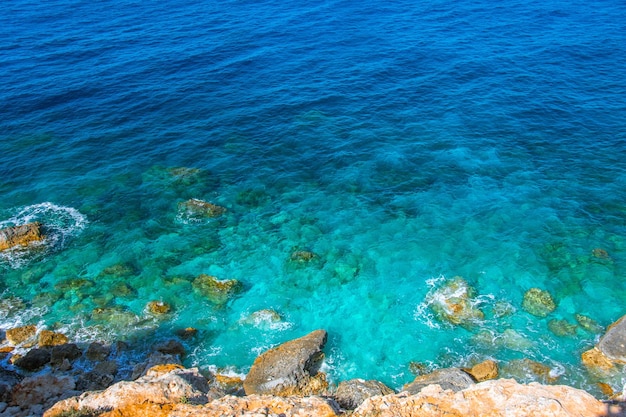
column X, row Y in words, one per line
column 589, row 324
column 613, row 343
column 350, row 394
column 454, row 379
column 262, row 319
column 454, row 302
column 158, row 307
column 526, row 369
column 216, row 290
column 562, row 327
column 538, row 302
column 289, row 369
column 198, row 209
column 21, row 236
column 302, row 256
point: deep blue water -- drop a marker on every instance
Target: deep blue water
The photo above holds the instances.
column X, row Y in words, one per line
column 404, row 144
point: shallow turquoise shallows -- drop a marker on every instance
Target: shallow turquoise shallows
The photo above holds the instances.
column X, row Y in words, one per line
column 365, row 153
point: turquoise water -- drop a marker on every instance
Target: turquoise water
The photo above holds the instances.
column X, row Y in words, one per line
column 402, row 144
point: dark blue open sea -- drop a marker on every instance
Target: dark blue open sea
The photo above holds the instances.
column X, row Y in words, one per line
column 366, row 154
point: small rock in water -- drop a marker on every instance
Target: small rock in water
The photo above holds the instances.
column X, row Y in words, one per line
column 217, row 291
column 158, row 307
column 197, row 209
column 350, row 394
column 50, row 338
column 454, row 302
column 538, row 302
column 484, row 371
column 302, row 256
column 529, row 370
column 589, row 324
column 562, row 327
column 21, row 236
column 186, row 333
column 596, row 362
column 600, row 254
column 19, row 335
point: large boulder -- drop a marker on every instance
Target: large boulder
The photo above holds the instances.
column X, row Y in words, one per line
column 350, row 394
column 20, row 236
column 613, row 343
column 289, row 369
column 453, row 379
column 496, row 398
column 19, row 335
column 33, row 360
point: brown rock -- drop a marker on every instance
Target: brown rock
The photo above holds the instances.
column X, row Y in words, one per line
column 520, row 369
column 497, row 398
column 186, row 333
column 195, row 208
column 449, row 378
column 538, row 302
column 350, row 394
column 22, row 235
column 215, row 290
column 454, row 303
column 19, row 335
column 158, row 307
column 484, row 371
column 50, row 338
column 231, row 385
column 290, row 368
column 596, row 362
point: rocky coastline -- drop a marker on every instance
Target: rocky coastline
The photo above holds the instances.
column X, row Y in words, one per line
column 57, row 378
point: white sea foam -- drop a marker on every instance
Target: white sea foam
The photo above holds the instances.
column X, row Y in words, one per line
column 60, row 223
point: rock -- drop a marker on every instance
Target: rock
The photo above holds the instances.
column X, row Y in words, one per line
column 50, row 338
column 350, row 394
column 484, row 371
column 42, row 389
column 153, row 394
column 454, row 302
column 122, row 289
column 158, row 307
column 34, row 359
column 97, row 351
column 21, row 236
column 538, row 302
column 94, row 381
column 8, row 379
column 262, row 319
column 596, row 362
column 186, row 333
column 562, row 328
column 589, row 324
column 497, row 398
column 613, row 343
column 525, row 369
column 198, row 209
column 61, row 353
column 10, row 306
column 119, row 270
column 170, row 347
column 600, row 254
column 155, row 359
column 289, row 369
column 418, row 368
column 19, row 335
column 454, row 379
column 217, row 291
column 302, row 256
column 231, row 385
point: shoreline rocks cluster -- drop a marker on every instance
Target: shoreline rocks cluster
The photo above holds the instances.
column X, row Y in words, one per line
column 285, row 380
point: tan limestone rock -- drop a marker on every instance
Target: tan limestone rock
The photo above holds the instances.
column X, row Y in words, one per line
column 496, row 398
column 50, row 338
column 20, row 236
column 19, row 335
column 596, row 362
column 454, row 302
column 484, row 371
column 538, row 302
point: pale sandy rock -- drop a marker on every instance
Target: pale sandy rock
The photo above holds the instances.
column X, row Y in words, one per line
column 484, row 371
column 497, row 398
column 597, row 362
column 161, row 386
column 19, row 335
column 289, row 369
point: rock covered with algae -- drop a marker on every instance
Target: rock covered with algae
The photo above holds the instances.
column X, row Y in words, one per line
column 215, row 290
column 538, row 302
column 195, row 209
column 21, row 236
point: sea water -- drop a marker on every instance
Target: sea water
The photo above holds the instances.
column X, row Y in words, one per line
column 399, row 144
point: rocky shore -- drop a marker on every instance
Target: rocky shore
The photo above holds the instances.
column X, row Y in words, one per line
column 57, row 378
